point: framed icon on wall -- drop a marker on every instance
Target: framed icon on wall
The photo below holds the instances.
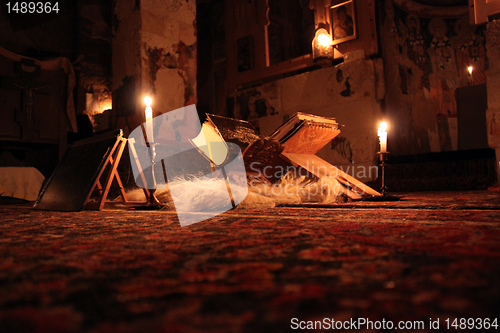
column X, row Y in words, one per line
column 343, row 21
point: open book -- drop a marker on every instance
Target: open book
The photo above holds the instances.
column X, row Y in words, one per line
column 305, row 133
column 237, row 131
column 217, row 130
column 300, row 138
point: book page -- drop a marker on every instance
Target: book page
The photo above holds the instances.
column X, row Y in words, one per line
column 310, row 138
column 211, row 144
column 290, row 127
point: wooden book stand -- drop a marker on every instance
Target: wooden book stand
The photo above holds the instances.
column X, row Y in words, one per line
column 112, row 161
column 80, row 172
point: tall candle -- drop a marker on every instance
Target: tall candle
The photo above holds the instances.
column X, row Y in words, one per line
column 470, row 69
column 149, row 116
column 382, row 134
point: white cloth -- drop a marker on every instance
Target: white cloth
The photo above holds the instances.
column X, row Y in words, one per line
column 20, row 182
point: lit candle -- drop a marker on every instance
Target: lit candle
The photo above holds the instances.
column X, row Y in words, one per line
column 322, row 44
column 324, row 40
column 149, row 116
column 470, row 69
column 382, row 134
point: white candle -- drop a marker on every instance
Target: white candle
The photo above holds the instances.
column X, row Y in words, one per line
column 382, row 134
column 149, row 116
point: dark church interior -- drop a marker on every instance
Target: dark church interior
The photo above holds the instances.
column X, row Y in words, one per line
column 396, row 99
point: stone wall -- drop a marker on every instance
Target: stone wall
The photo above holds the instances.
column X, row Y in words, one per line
column 350, row 92
column 493, row 77
column 426, row 57
column 154, row 53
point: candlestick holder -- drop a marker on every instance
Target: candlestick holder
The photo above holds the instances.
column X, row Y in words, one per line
column 153, row 200
column 383, row 159
column 385, row 196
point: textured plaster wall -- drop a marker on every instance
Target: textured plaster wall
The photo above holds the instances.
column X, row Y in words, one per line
column 493, row 77
column 168, row 52
column 350, row 92
column 126, row 41
column 126, row 62
column 155, row 54
column 426, row 60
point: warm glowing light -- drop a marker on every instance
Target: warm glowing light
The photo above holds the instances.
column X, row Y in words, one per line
column 470, row 69
column 105, row 104
column 322, row 44
column 324, row 40
column 382, row 134
column 147, row 100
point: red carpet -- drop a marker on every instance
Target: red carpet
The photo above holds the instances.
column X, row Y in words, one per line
column 430, row 256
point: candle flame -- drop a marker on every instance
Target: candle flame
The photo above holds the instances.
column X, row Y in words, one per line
column 382, row 134
column 324, row 39
column 382, row 128
column 470, row 69
column 147, row 100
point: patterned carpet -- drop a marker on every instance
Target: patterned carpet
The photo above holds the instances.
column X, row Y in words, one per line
column 429, row 256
